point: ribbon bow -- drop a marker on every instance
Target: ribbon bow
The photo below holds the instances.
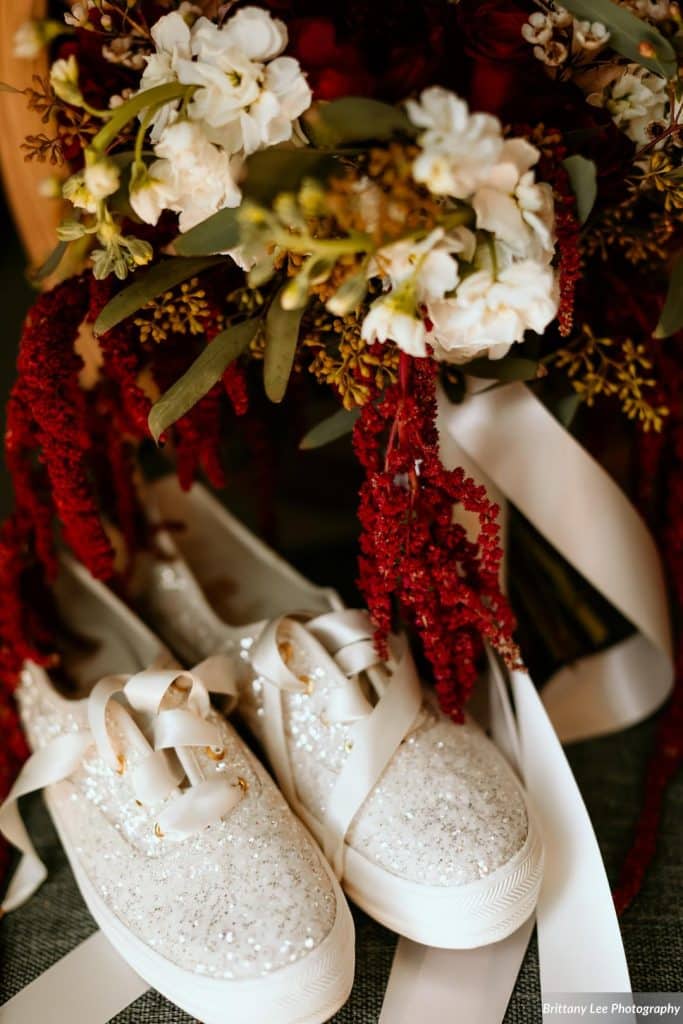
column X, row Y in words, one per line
column 347, row 637
column 116, row 706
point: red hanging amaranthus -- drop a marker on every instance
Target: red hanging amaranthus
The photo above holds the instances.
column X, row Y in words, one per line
column 415, row 561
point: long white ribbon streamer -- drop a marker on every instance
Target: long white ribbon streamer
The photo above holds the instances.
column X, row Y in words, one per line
column 506, row 439
column 437, row 986
column 516, row 444
column 92, row 984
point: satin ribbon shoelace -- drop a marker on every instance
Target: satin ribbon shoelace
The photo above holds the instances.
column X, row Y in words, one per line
column 162, row 766
column 347, row 638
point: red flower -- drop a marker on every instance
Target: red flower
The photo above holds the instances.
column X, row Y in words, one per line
column 502, row 63
column 333, row 69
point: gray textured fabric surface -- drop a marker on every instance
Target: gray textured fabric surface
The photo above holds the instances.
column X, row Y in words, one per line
column 610, row 772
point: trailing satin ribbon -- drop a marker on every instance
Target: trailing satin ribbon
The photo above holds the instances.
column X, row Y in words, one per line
column 507, row 439
column 519, row 447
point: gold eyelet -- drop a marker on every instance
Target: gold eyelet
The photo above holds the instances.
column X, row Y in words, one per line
column 286, row 650
column 215, row 753
column 242, row 783
column 120, row 764
column 308, row 683
column 157, row 832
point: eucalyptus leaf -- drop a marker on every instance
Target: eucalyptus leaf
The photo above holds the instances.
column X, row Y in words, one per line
column 282, row 334
column 508, row 369
column 206, row 370
column 583, row 178
column 564, row 409
column 149, row 285
column 671, row 319
column 271, row 171
column 218, row 233
column 354, row 119
column 629, row 36
column 48, row 268
column 335, row 426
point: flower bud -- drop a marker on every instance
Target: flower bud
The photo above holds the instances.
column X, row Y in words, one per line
column 64, row 80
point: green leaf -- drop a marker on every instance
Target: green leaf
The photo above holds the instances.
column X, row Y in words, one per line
column 218, row 233
column 507, row 369
column 629, row 36
column 282, row 334
column 564, row 409
column 355, row 119
column 6, row 87
column 51, row 263
column 671, row 319
column 271, row 171
column 149, row 285
column 337, row 425
column 583, row 179
column 206, row 370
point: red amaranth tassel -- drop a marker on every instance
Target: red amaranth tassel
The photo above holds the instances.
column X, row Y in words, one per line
column 414, row 559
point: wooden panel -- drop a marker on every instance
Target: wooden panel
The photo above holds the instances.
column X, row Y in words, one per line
column 36, row 218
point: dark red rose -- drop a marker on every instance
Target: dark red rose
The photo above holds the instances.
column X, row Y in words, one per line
column 501, row 62
column 334, row 69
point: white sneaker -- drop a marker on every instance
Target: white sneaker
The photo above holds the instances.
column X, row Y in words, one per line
column 185, row 852
column 423, row 820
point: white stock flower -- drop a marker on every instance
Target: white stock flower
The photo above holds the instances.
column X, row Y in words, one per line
column 28, row 41
column 516, row 208
column 416, row 274
column 101, row 178
column 389, row 320
column 247, row 96
column 458, row 148
column 490, row 313
column 427, row 263
column 635, row 99
column 192, row 177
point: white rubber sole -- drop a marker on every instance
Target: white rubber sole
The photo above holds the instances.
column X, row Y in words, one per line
column 309, row 991
column 449, row 917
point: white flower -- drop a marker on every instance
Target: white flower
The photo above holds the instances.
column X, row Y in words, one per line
column 513, row 206
column 157, row 190
column 75, row 190
column 192, row 177
column 590, row 36
column 64, row 80
column 490, row 313
column 101, row 178
column 79, row 15
column 247, row 96
column 458, row 148
column 427, row 263
column 387, row 320
column 635, row 100
column 416, row 273
column 50, row 187
column 28, row 41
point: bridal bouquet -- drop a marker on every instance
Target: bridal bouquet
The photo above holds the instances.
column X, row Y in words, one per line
column 393, row 202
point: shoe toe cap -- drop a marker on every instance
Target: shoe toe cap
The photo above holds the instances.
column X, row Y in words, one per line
column 446, row 812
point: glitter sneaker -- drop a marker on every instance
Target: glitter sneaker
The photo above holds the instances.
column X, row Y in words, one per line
column 423, row 820
column 185, row 852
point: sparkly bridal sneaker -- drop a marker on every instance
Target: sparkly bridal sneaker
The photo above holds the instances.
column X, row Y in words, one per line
column 423, row 821
column 185, row 852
